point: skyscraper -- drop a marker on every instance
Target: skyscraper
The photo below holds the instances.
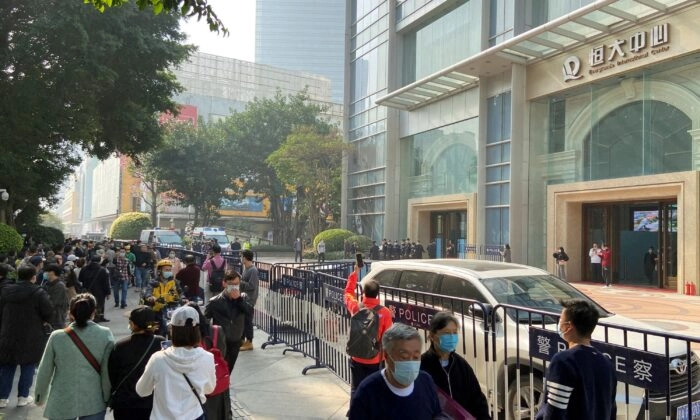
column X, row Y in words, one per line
column 303, row 35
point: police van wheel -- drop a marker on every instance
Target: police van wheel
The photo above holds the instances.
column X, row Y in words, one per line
column 523, row 404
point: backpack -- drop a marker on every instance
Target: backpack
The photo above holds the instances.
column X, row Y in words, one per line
column 364, row 340
column 223, row 379
column 217, row 276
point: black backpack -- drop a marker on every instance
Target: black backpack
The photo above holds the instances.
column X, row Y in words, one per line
column 217, row 276
column 364, row 340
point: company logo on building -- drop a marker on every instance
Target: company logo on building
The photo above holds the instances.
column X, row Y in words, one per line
column 571, row 68
column 639, row 46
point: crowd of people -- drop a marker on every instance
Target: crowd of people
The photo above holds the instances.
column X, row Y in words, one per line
column 53, row 301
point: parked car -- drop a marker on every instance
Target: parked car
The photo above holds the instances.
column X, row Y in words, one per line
column 494, row 283
column 161, row 237
column 209, row 233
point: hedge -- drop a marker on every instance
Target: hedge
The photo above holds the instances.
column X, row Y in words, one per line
column 46, row 235
column 363, row 243
column 128, row 226
column 10, row 240
column 333, row 238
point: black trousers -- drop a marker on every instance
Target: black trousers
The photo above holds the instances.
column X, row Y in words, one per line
column 248, row 327
column 232, row 350
column 358, row 372
column 596, row 272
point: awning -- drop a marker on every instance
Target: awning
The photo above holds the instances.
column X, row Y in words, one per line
column 584, row 25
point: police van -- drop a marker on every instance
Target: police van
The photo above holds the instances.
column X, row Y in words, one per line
column 209, row 233
column 161, row 237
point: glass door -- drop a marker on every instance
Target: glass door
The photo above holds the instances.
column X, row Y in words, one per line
column 668, row 258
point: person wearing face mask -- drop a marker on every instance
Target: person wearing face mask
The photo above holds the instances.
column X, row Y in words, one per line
column 581, row 382
column 58, row 294
column 401, row 390
column 451, row 373
column 119, row 277
column 228, row 309
column 127, row 363
column 162, row 292
column 175, row 261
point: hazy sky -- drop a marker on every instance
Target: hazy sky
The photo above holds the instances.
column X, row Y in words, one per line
column 239, row 17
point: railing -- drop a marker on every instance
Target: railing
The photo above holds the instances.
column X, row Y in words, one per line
column 509, row 347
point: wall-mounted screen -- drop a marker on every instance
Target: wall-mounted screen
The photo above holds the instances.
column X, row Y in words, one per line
column 645, row 220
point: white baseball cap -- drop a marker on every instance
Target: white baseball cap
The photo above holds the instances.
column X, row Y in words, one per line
column 183, row 314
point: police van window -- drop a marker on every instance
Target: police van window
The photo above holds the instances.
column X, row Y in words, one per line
column 420, row 281
column 387, row 278
column 461, row 288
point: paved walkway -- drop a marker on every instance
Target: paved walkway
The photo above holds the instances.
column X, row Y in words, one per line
column 269, row 385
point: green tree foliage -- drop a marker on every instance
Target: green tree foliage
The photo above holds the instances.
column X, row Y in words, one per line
column 128, row 226
column 255, row 134
column 46, row 235
column 51, row 220
column 197, row 167
column 333, row 238
column 76, row 80
column 10, row 240
column 312, row 162
column 197, row 8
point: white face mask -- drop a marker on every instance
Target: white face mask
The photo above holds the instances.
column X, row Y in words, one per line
column 171, row 255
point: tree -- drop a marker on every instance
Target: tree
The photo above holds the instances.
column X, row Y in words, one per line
column 50, row 219
column 74, row 81
column 312, row 162
column 257, row 132
column 144, row 168
column 199, row 8
column 209, row 170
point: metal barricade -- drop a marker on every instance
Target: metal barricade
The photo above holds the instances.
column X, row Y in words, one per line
column 658, row 373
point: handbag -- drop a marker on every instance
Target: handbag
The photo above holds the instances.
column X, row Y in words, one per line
column 143, row 356
column 83, row 349
column 194, row 391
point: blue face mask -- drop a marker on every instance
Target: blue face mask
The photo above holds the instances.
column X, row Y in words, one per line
column 45, row 276
column 167, row 274
column 406, row 371
column 448, row 342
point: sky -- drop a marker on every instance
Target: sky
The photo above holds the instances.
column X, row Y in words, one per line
column 239, row 17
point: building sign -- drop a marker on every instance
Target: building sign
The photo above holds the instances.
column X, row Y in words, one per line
column 635, row 367
column 601, row 58
column 411, row 314
column 263, row 275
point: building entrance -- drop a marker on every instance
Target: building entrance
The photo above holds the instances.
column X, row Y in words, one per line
column 631, row 230
column 448, row 230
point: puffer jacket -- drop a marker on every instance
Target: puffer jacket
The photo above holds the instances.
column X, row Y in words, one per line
column 229, row 314
column 24, row 308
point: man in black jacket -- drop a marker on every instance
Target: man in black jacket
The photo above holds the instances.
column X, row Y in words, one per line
column 228, row 309
column 95, row 279
column 24, row 309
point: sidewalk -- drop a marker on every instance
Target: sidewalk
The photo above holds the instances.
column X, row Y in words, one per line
column 269, row 385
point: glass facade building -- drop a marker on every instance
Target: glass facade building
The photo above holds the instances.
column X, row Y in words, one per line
column 303, row 35
column 537, row 123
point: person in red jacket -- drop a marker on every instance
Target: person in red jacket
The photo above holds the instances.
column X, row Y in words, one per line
column 605, row 262
column 362, row 368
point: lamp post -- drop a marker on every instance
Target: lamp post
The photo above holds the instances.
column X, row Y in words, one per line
column 4, row 196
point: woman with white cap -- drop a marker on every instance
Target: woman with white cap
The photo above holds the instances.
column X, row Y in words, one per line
column 180, row 376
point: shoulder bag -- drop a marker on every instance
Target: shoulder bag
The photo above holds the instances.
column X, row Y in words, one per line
column 83, row 349
column 194, row 391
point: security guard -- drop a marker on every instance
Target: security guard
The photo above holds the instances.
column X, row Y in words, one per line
column 163, row 292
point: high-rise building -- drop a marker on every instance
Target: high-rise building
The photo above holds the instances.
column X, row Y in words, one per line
column 303, row 35
column 538, row 123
